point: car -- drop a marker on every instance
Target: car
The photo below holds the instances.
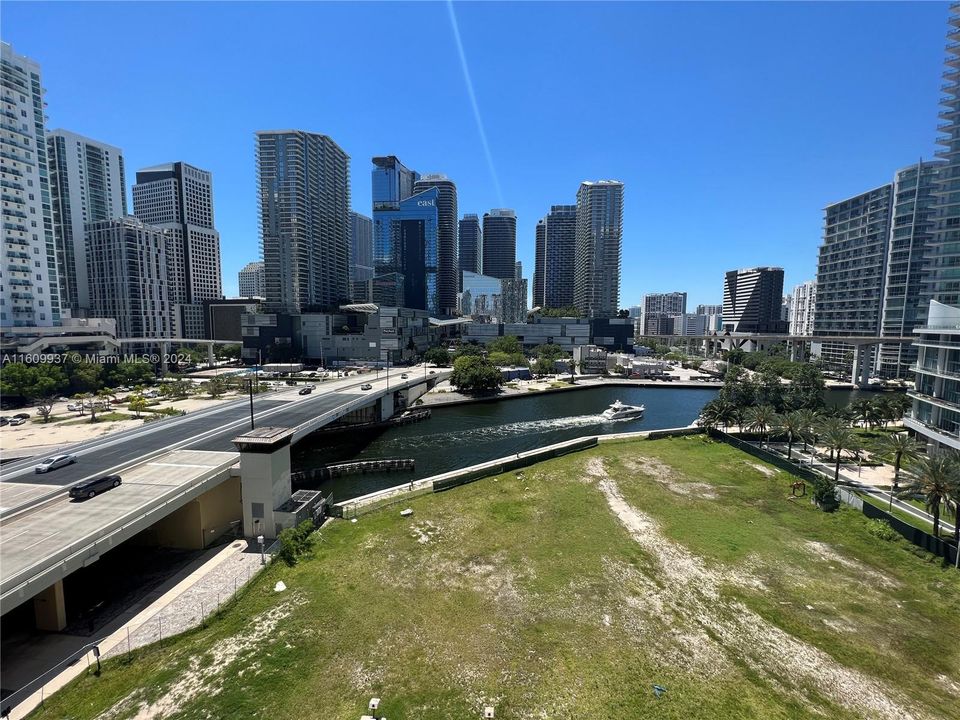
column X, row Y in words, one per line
column 22, row 416
column 17, row 421
column 366, row 386
column 53, row 462
column 74, row 407
column 433, row 372
column 89, row 488
column 404, row 376
column 305, row 391
column 4, row 421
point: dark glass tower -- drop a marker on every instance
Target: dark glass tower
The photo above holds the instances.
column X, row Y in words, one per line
column 500, row 243
column 471, row 244
column 447, row 268
column 405, row 250
column 560, row 256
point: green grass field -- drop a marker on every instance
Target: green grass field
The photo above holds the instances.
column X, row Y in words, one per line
column 568, row 591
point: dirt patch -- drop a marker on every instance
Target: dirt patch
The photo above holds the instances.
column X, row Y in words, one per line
column 203, row 675
column 707, row 623
column 425, row 532
column 669, row 478
column 769, row 472
column 864, row 574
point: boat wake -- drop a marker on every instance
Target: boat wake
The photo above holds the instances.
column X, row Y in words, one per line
column 494, row 432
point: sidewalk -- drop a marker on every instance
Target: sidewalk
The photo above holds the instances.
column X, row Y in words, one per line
column 195, row 596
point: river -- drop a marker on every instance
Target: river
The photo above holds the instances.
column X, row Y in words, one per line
column 462, row 435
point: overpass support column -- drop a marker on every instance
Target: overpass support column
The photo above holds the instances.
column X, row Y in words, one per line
column 49, row 608
column 385, row 407
column 795, row 351
column 210, row 358
column 164, row 356
column 860, row 372
column 264, row 478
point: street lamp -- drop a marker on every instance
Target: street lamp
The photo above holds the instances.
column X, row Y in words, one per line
column 263, row 557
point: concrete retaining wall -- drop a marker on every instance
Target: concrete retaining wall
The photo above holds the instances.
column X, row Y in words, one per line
column 445, row 481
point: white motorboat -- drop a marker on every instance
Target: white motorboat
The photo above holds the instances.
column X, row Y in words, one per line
column 619, row 411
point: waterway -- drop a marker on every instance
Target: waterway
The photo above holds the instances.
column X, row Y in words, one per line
column 461, row 435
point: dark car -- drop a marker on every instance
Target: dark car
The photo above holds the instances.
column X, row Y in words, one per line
column 3, row 421
column 22, row 416
column 306, row 391
column 89, row 488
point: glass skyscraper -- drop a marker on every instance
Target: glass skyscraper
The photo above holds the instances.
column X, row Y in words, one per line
column 447, row 268
column 392, row 182
column 500, row 243
column 405, row 249
column 471, row 244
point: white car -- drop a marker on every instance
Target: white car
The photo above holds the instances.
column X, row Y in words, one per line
column 366, row 386
column 74, row 407
column 54, row 462
column 17, row 421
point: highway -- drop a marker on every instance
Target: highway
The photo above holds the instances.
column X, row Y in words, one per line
column 211, row 429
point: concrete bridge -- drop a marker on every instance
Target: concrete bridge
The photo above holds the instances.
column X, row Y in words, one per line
column 181, row 488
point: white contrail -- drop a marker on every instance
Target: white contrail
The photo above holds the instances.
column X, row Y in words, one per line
column 473, row 100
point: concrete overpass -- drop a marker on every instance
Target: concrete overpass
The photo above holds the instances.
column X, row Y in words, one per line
column 860, row 370
column 182, row 485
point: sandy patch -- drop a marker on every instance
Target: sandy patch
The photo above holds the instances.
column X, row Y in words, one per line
column 769, row 472
column 203, row 675
column 691, row 589
column 668, row 477
column 865, row 574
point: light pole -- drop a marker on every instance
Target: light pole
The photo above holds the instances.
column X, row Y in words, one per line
column 251, row 402
column 263, row 557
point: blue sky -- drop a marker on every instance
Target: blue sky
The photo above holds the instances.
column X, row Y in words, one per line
column 731, row 125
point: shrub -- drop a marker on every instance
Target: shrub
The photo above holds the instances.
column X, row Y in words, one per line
column 295, row 542
column 825, row 494
column 882, row 529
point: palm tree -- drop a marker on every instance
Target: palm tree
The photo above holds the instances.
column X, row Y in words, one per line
column 935, row 478
column 862, row 410
column 954, row 499
column 808, row 419
column 727, row 414
column 708, row 416
column 838, row 437
column 794, row 426
column 760, row 418
column 898, row 447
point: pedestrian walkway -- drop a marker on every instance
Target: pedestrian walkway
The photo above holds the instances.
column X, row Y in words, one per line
column 196, row 596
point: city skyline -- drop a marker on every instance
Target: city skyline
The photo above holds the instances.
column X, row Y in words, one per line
column 835, row 156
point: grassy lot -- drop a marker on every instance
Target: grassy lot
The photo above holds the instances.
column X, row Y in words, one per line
column 568, row 592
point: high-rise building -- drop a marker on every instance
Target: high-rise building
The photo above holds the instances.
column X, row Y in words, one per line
column 906, row 296
column 935, row 415
column 481, row 297
column 361, row 247
column 304, row 198
column 391, row 182
column 30, row 291
column 405, row 251
column 709, row 310
column 471, row 244
column 851, row 272
column 178, row 197
column 539, row 260
column 560, row 252
column 804, row 304
column 671, row 303
column 447, row 267
column 87, row 184
column 659, row 308
column 514, row 296
column 752, row 298
column 251, row 280
column 599, row 244
column 500, row 243
column 127, row 272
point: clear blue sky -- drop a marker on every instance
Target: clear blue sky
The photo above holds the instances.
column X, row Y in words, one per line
column 732, row 125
